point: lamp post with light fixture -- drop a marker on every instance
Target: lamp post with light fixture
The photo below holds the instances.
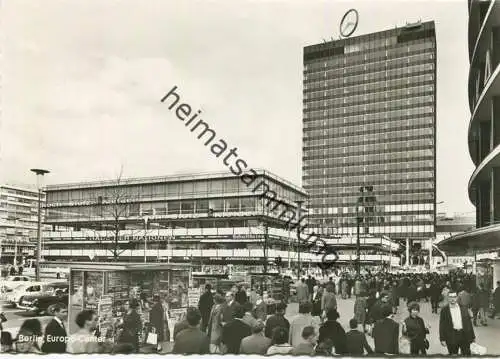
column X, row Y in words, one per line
column 146, row 220
column 299, row 213
column 39, row 178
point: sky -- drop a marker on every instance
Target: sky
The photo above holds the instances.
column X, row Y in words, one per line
column 82, row 82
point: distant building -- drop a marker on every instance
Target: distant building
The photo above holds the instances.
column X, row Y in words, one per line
column 18, row 223
column 369, row 115
column 449, row 225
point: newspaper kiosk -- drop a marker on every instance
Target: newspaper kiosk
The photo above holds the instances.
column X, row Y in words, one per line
column 106, row 287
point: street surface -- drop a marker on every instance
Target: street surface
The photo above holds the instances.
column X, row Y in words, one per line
column 485, row 336
column 15, row 317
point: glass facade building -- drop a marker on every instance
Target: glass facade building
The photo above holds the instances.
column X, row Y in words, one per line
column 369, row 129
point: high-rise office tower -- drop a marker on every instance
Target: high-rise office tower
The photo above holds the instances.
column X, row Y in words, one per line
column 369, row 154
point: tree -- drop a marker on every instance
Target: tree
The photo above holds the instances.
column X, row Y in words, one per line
column 115, row 205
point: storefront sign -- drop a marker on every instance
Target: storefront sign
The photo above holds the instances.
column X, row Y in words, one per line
column 90, row 202
column 126, row 238
column 193, row 297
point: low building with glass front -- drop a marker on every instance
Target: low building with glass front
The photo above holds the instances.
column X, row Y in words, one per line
column 204, row 219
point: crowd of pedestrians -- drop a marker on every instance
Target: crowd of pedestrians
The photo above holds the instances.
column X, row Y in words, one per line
column 237, row 323
column 241, row 322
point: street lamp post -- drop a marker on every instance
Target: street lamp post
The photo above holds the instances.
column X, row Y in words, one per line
column 299, row 213
column 265, row 247
column 358, row 244
column 39, row 177
column 358, row 222
column 146, row 219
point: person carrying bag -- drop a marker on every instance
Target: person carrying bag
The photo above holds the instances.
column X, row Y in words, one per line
column 152, row 337
column 415, row 330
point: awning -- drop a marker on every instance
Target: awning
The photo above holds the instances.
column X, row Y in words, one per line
column 485, row 239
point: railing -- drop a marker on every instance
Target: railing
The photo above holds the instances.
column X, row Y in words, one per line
column 236, row 231
column 223, row 254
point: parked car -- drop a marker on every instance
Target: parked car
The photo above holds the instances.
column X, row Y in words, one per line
column 45, row 302
column 12, row 281
column 32, row 289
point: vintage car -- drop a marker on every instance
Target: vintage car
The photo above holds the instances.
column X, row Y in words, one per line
column 32, row 289
column 45, row 302
column 8, row 284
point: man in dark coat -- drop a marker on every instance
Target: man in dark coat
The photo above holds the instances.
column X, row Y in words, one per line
column 435, row 295
column 356, row 341
column 412, row 293
column 386, row 333
column 230, row 308
column 55, row 332
column 376, row 311
column 277, row 320
column 455, row 327
column 241, row 295
column 332, row 330
column 316, row 302
column 496, row 301
column 234, row 331
column 192, row 340
column 205, row 306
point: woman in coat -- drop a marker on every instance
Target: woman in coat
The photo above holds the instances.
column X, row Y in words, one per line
column 132, row 326
column 331, row 329
column 343, row 287
column 360, row 309
column 416, row 330
column 316, row 301
column 157, row 320
column 214, row 329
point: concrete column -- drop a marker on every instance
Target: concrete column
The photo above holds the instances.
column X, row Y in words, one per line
column 495, row 123
column 492, row 198
column 495, row 56
column 407, row 251
column 495, row 191
column 496, row 272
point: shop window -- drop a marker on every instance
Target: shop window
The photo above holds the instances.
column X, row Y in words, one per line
column 174, row 207
column 187, row 207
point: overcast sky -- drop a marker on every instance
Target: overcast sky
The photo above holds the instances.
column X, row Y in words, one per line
column 82, row 80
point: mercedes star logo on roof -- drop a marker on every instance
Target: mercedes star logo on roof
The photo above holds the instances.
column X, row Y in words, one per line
column 349, row 23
